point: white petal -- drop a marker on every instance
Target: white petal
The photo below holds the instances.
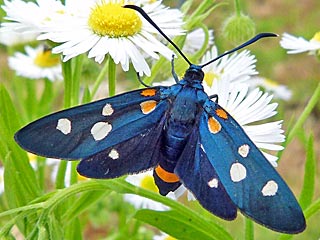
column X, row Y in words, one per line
column 297, row 44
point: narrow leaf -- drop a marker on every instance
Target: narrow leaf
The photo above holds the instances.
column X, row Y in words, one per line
column 249, row 229
column 179, row 226
column 83, row 203
column 309, row 176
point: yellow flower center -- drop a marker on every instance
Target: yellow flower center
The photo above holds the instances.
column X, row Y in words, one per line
column 316, row 37
column 81, row 178
column 112, row 20
column 32, row 157
column 170, row 238
column 45, row 59
column 148, row 183
column 270, row 83
column 209, row 77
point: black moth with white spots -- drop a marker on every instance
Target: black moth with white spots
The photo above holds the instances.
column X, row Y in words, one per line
column 180, row 132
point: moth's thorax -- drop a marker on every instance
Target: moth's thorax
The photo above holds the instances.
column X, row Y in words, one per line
column 194, row 75
column 184, row 106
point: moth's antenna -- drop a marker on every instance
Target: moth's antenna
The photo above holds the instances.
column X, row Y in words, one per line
column 145, row 15
column 252, row 40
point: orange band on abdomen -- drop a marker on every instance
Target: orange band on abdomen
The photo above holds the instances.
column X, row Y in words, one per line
column 166, row 176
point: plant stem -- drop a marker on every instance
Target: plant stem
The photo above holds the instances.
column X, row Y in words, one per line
column 305, row 114
column 112, row 77
column 249, row 229
column 100, row 78
column 237, row 7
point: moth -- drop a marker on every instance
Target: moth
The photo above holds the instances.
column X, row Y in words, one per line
column 180, row 132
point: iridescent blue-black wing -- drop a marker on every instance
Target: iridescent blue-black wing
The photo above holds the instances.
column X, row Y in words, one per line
column 86, row 130
column 199, row 176
column 251, row 182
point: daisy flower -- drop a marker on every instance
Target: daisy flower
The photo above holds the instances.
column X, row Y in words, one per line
column 30, row 17
column 32, row 160
column 145, row 180
column 163, row 236
column 237, row 67
column 36, row 63
column 103, row 27
column 181, row 190
column 11, row 38
column 195, row 40
column 278, row 90
column 295, row 45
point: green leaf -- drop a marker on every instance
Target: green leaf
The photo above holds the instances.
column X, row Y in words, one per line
column 179, row 226
column 83, row 203
column 308, row 188
column 55, row 228
column 20, row 179
column 73, row 230
column 312, row 209
column 86, row 95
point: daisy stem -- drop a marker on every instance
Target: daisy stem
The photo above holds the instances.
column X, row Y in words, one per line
column 249, row 229
column 41, row 164
column 61, row 174
column 112, row 77
column 67, row 74
column 76, row 75
column 238, row 8
column 100, row 78
column 304, row 115
column 204, row 46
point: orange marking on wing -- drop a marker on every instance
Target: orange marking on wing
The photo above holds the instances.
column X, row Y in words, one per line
column 148, row 92
column 166, row 176
column 148, row 106
column 213, row 125
column 221, row 113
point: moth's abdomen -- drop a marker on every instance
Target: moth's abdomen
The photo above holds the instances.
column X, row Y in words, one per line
column 176, row 134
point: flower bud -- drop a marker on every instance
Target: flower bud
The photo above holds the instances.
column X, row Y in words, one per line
column 238, row 29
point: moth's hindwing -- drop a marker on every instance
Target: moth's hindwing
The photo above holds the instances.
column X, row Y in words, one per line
column 134, row 155
column 85, row 130
column 249, row 179
column 199, row 176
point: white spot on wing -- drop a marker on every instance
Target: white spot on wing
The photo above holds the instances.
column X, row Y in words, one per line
column 100, row 130
column 201, row 146
column 107, row 171
column 64, row 125
column 237, row 172
column 107, row 110
column 244, row 150
column 113, row 154
column 270, row 189
column 213, row 183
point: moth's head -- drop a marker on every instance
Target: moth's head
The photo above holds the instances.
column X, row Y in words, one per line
column 194, row 73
